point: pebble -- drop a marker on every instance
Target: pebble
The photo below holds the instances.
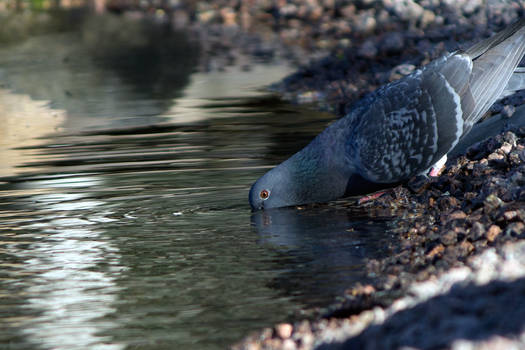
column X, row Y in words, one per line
column 368, row 49
column 492, row 233
column 284, row 330
column 477, row 231
column 449, row 238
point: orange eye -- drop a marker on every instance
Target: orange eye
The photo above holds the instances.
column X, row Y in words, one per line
column 265, row 194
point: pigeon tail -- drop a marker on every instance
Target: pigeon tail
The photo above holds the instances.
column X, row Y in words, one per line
column 516, row 83
column 494, row 63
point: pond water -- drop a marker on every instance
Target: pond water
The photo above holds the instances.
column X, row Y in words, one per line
column 124, row 215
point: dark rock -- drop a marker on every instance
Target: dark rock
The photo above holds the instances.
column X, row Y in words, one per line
column 477, row 231
column 418, row 184
column 393, row 43
column 449, row 238
column 368, row 49
column 515, row 229
column 508, row 111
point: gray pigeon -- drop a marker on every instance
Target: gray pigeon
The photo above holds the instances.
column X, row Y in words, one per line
column 402, row 129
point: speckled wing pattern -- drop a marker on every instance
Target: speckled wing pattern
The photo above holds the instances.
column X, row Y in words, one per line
column 407, row 126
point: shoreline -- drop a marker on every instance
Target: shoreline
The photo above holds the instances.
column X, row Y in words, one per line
column 467, row 243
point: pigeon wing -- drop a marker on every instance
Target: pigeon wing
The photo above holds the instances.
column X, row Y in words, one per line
column 410, row 124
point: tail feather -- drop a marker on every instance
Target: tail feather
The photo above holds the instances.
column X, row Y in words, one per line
column 480, row 48
column 494, row 62
column 516, row 82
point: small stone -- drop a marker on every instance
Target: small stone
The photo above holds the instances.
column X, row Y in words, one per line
column 496, row 159
column 437, row 250
column 510, row 137
column 458, row 214
column 470, row 195
column 418, row 184
column 400, row 71
column 508, row 111
column 510, row 215
column 466, row 248
column 515, row 229
column 476, row 231
column 521, row 154
column 514, row 158
column 449, row 238
column 284, row 330
column 493, row 232
column 367, row 50
column 289, row 344
column 492, row 202
column 393, row 42
column 506, row 147
column 446, row 203
column 427, row 18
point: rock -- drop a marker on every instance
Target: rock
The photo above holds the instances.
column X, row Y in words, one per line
column 508, row 111
column 368, row 49
column 506, row 148
column 492, row 202
column 400, row 71
column 458, row 214
column 436, row 251
column 392, row 43
column 515, row 229
column 477, row 231
column 284, row 330
column 289, row 344
column 406, row 9
column 418, row 184
column 492, row 233
column 449, row 238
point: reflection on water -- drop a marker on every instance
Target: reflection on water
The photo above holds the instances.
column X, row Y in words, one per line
column 124, row 217
column 329, row 243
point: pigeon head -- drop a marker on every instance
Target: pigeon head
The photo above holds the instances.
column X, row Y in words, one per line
column 274, row 189
column 312, row 175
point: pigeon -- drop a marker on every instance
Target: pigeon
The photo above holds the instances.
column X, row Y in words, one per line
column 400, row 130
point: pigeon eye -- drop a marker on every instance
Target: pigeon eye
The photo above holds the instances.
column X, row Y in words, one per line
column 265, row 194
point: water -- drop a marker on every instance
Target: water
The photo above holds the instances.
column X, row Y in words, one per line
column 124, row 216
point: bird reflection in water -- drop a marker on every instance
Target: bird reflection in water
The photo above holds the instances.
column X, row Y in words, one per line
column 322, row 250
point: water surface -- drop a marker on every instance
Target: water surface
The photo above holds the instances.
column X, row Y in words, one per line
column 124, row 216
